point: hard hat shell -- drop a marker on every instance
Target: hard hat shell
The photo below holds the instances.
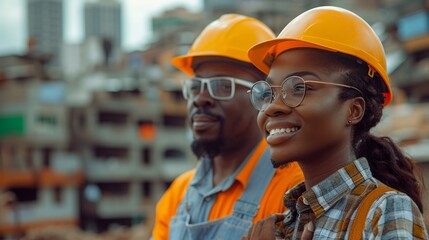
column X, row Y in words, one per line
column 230, row 36
column 328, row 28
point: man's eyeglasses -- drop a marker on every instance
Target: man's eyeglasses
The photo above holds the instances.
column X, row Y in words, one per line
column 292, row 92
column 220, row 88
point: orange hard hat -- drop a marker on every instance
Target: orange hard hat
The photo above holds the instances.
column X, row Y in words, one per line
column 328, row 28
column 230, row 36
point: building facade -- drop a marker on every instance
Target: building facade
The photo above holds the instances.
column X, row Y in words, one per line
column 45, row 28
column 103, row 21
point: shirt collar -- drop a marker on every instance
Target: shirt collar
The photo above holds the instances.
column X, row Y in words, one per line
column 253, row 158
column 324, row 195
column 203, row 169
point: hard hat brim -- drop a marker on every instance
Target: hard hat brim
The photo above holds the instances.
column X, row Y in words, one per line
column 184, row 62
column 262, row 55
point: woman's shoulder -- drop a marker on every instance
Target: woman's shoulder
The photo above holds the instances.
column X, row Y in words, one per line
column 396, row 213
column 393, row 201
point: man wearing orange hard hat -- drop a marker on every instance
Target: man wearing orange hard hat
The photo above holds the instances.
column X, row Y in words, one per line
column 327, row 80
column 233, row 184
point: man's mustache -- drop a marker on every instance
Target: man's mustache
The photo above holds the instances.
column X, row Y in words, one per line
column 206, row 112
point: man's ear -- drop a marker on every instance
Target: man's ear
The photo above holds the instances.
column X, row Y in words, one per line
column 356, row 110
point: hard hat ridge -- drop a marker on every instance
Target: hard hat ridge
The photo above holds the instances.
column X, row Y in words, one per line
column 230, row 36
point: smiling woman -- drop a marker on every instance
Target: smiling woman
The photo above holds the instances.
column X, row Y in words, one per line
column 326, row 88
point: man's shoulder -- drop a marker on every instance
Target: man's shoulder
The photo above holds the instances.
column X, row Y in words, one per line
column 182, row 181
column 177, row 189
column 186, row 176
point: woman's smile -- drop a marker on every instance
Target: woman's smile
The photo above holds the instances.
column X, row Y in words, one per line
column 281, row 134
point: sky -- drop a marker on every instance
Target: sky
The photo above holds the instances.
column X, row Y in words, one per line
column 136, row 21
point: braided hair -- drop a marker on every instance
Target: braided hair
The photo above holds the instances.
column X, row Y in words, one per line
column 387, row 162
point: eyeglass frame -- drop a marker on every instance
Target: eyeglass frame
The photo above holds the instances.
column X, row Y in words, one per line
column 305, row 90
column 205, row 81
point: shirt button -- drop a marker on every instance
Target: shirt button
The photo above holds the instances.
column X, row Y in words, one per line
column 288, row 217
column 305, row 201
column 207, row 199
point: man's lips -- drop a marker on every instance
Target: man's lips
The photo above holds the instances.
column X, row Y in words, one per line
column 203, row 121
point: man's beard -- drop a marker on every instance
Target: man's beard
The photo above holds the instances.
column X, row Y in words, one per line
column 209, row 148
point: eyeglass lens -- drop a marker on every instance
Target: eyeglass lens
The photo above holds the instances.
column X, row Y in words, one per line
column 291, row 92
column 218, row 88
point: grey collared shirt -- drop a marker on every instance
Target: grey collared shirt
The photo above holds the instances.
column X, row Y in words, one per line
column 202, row 183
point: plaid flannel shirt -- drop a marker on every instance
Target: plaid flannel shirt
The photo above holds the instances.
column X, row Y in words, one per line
column 332, row 206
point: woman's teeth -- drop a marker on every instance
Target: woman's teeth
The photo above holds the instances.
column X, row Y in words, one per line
column 283, row 130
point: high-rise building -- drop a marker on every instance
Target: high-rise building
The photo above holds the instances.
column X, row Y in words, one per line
column 103, row 21
column 45, row 28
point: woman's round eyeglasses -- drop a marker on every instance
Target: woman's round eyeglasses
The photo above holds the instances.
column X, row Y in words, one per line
column 292, row 92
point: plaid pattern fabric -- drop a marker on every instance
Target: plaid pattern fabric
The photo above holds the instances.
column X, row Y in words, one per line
column 332, row 206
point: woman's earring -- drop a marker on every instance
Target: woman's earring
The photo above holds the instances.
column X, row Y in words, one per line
column 349, row 122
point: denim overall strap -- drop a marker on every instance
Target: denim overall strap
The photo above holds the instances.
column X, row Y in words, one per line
column 248, row 204
column 235, row 225
column 246, row 208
